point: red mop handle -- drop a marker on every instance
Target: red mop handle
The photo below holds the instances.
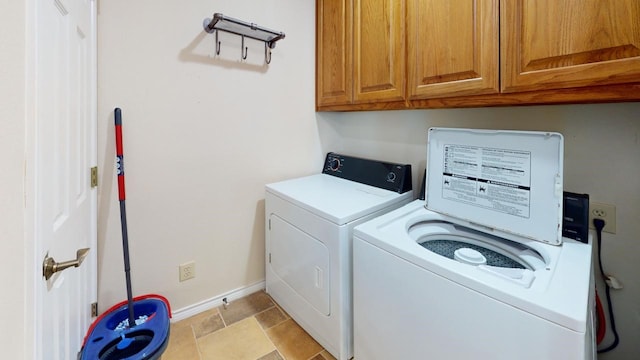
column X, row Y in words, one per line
column 117, row 114
column 119, row 154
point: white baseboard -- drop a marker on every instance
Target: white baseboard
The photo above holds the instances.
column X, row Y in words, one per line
column 216, row 301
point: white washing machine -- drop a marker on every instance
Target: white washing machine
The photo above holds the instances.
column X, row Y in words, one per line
column 479, row 270
column 309, row 227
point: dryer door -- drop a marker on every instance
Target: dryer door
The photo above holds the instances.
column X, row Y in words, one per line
column 301, row 262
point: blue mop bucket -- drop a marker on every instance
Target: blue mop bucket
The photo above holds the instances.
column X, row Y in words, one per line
column 110, row 337
column 136, row 329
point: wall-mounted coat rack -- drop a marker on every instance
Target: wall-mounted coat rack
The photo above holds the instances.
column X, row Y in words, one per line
column 243, row 29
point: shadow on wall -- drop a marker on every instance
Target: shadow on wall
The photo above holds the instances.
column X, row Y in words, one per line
column 410, row 126
column 393, row 136
column 397, row 131
column 105, row 198
column 401, row 136
column 202, row 50
column 257, row 248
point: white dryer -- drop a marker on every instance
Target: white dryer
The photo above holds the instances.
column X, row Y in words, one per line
column 309, row 227
column 479, row 270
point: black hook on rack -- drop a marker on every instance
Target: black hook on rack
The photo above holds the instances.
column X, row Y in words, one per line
column 243, row 29
column 217, row 44
column 244, row 50
column 267, row 58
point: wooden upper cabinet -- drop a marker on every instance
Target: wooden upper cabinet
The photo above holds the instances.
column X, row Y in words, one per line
column 555, row 44
column 379, row 50
column 409, row 54
column 334, row 76
column 452, row 48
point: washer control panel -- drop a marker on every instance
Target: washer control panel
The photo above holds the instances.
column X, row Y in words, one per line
column 389, row 176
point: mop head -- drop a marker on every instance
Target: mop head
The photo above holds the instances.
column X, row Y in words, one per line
column 124, row 324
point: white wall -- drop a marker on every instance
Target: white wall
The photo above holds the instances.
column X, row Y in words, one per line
column 602, row 158
column 12, row 148
column 202, row 136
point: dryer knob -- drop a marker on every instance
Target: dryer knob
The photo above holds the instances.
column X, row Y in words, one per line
column 334, row 164
column 391, row 177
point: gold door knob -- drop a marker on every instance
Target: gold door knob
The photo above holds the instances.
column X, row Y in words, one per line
column 50, row 266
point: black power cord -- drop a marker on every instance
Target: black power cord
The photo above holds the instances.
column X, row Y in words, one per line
column 599, row 225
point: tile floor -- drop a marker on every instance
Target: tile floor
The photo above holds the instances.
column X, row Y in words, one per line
column 251, row 328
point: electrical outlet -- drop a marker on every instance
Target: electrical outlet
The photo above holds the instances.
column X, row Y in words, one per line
column 605, row 212
column 187, row 271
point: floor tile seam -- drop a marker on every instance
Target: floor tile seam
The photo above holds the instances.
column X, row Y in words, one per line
column 221, row 318
column 278, row 349
column 224, row 326
column 267, row 309
column 265, row 335
column 316, row 354
column 274, row 325
column 264, row 331
column 257, row 323
column 286, row 315
column 195, row 341
column 224, row 323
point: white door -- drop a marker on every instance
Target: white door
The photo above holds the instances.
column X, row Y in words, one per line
column 65, row 207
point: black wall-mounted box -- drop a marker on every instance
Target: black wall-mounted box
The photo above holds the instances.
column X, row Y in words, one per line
column 575, row 216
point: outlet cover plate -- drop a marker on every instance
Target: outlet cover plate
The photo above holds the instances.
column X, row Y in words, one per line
column 606, row 212
column 187, row 271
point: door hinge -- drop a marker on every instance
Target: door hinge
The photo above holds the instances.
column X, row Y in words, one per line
column 94, row 177
column 269, row 224
column 269, row 258
column 94, row 309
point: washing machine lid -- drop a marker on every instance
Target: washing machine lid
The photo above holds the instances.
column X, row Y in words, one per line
column 337, row 200
column 500, row 180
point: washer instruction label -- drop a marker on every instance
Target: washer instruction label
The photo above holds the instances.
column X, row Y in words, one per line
column 490, row 178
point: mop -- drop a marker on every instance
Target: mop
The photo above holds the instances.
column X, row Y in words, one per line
column 117, row 333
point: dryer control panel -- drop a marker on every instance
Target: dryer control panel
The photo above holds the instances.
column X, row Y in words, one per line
column 388, row 176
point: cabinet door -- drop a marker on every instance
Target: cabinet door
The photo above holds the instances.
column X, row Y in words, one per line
column 334, row 20
column 553, row 44
column 379, row 69
column 452, row 47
